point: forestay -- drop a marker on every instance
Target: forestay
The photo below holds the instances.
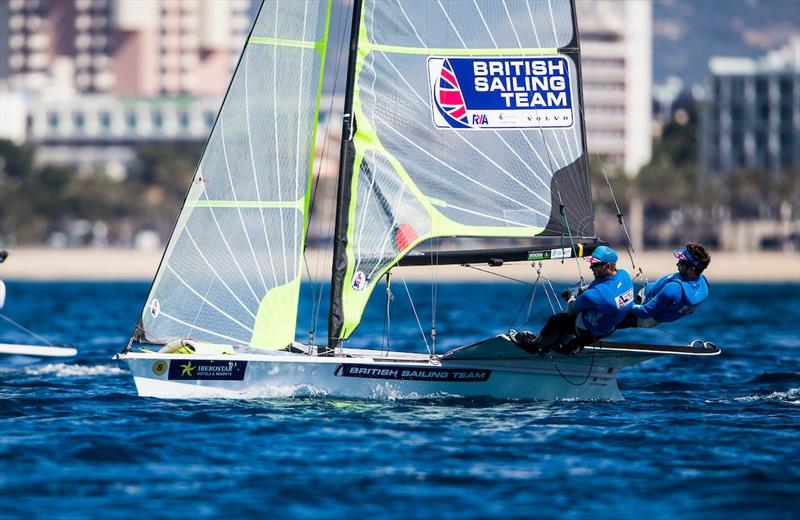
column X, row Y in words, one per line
column 231, row 270
column 468, row 123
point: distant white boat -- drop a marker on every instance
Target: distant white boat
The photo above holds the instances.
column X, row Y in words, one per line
column 462, row 120
column 37, row 350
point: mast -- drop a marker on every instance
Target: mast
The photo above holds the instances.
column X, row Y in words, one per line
column 346, row 159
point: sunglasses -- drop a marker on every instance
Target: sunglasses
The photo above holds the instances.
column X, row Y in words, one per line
column 597, row 264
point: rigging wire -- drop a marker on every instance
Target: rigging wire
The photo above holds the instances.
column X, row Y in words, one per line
column 620, row 216
column 22, row 328
column 387, row 321
column 530, row 296
column 497, row 274
column 416, row 316
column 434, row 292
column 562, row 208
column 565, row 378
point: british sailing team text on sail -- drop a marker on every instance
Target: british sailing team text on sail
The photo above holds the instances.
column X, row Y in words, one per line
column 524, row 83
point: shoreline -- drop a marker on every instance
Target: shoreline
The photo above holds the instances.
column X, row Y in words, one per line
column 117, row 264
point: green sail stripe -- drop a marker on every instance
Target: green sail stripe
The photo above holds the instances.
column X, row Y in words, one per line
column 319, row 46
column 266, row 204
column 425, row 51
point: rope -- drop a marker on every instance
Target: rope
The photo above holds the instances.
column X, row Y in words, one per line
column 434, row 292
column 555, row 297
column 313, row 328
column 620, row 216
column 532, row 296
column 563, row 210
column 387, row 322
column 497, row 274
column 30, row 332
column 565, row 378
column 668, row 333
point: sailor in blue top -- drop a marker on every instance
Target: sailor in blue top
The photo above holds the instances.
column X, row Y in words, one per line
column 592, row 314
column 675, row 295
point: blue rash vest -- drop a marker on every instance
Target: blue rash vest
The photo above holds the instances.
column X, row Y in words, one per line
column 672, row 297
column 603, row 305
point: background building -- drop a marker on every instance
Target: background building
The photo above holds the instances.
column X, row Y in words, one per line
column 616, row 46
column 123, row 47
column 751, row 114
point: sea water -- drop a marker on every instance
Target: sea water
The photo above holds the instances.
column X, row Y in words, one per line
column 696, row 437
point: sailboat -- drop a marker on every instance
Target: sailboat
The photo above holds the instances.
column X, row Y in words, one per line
column 461, row 120
column 35, row 351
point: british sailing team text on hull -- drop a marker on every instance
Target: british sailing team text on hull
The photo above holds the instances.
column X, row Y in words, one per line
column 427, row 152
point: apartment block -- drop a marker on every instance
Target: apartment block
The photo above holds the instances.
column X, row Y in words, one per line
column 122, row 47
column 751, row 113
column 616, row 48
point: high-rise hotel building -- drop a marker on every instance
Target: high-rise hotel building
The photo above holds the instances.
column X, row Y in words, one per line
column 616, row 47
column 123, row 47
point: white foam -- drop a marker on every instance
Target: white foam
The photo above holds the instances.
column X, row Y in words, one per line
column 790, row 396
column 70, row 370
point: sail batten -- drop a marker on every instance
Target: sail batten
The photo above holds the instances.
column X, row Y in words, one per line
column 467, row 123
column 232, row 268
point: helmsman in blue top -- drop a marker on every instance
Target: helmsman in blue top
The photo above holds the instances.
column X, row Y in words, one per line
column 675, row 295
column 592, row 314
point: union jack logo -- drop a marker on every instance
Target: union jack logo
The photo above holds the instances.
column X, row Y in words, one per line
column 449, row 97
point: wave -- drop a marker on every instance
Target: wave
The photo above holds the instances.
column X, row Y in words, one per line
column 776, row 377
column 790, row 396
column 71, row 370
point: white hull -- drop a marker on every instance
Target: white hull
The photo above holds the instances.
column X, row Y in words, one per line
column 495, row 368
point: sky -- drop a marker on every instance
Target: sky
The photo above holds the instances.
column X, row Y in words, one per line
column 687, row 33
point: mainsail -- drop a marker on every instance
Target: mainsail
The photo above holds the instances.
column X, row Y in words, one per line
column 467, row 122
column 231, row 270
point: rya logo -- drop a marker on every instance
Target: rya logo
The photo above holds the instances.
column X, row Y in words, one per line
column 480, row 119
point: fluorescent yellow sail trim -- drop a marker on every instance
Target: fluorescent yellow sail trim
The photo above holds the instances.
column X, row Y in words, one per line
column 277, row 317
column 266, row 204
column 425, row 51
column 298, row 44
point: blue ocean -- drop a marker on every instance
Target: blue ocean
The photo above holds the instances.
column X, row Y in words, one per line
column 694, row 437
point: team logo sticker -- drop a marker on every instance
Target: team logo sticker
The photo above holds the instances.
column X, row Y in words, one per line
column 159, row 367
column 206, row 370
column 155, row 308
column 500, row 92
column 359, row 281
column 625, row 298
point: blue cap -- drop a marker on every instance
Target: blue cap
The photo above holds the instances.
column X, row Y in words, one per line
column 603, row 254
column 686, row 256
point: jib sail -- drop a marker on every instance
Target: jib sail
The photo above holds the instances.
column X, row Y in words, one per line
column 231, row 270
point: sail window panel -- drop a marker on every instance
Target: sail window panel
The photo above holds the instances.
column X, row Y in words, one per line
column 388, row 218
column 480, row 24
column 298, row 20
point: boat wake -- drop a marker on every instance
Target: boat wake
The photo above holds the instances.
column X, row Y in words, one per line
column 790, row 396
column 71, row 370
